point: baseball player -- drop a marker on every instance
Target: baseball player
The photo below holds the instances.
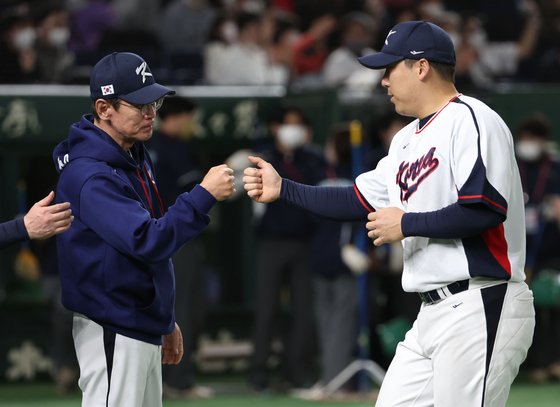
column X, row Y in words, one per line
column 115, row 261
column 449, row 189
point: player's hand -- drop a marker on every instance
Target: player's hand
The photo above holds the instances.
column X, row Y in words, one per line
column 263, row 183
column 219, row 182
column 44, row 220
column 384, row 226
column 172, row 347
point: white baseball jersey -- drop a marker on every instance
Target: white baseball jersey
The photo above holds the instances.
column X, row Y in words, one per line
column 464, row 154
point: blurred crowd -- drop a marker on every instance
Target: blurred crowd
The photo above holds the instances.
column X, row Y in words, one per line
column 271, row 42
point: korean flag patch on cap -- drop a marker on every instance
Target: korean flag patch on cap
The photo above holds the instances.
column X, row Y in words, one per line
column 107, row 90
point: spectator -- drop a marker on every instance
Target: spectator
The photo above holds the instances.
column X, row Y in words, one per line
column 342, row 66
column 282, row 254
column 311, row 50
column 540, row 177
column 178, row 172
column 19, row 61
column 281, row 48
column 548, row 52
column 335, row 261
column 489, row 61
column 245, row 61
column 88, row 24
column 54, row 61
column 185, row 25
column 137, row 14
column 222, row 35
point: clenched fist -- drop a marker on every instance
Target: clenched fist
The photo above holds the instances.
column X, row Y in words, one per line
column 219, row 182
column 263, row 184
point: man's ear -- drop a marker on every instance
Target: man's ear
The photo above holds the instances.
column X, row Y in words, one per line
column 423, row 68
column 103, row 109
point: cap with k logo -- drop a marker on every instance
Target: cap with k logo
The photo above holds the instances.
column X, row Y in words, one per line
column 413, row 40
column 126, row 76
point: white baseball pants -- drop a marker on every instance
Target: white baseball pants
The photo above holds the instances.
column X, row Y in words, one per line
column 116, row 371
column 463, row 351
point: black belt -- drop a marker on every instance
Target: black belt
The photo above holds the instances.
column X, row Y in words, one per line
column 430, row 297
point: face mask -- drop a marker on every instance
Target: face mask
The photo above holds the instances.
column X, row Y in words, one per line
column 478, row 39
column 24, row 39
column 528, row 150
column 291, row 136
column 229, row 31
column 59, row 36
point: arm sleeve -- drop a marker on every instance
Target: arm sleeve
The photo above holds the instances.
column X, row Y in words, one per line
column 12, row 231
column 338, row 203
column 452, row 222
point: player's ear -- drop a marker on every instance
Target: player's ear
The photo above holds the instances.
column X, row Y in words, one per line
column 423, row 67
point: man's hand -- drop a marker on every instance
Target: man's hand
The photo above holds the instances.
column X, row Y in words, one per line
column 384, row 226
column 172, row 347
column 219, row 182
column 44, row 221
column 263, row 183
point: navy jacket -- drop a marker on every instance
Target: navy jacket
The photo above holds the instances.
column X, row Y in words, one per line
column 12, row 231
column 115, row 260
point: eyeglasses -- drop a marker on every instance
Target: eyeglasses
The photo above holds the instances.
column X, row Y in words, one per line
column 144, row 109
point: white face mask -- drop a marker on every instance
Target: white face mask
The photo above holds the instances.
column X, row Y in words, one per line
column 528, row 150
column 478, row 39
column 291, row 136
column 59, row 36
column 24, row 39
column 229, row 32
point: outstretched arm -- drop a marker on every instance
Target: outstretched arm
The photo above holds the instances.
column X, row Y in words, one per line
column 12, row 231
column 264, row 184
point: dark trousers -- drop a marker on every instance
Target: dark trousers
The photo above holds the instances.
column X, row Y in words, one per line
column 190, row 308
column 279, row 260
column 336, row 310
column 545, row 349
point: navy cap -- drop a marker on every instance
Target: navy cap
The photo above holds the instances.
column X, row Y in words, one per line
column 126, row 76
column 413, row 40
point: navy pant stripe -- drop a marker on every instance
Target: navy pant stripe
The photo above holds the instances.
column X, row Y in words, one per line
column 109, row 345
column 493, row 300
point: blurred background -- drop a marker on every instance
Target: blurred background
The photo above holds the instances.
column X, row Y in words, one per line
column 275, row 303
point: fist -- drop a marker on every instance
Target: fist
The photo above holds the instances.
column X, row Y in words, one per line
column 219, row 182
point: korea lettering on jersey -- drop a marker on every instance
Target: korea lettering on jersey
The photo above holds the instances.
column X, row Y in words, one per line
column 463, row 154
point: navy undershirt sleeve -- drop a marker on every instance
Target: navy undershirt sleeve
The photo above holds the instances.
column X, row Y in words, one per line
column 338, row 203
column 455, row 221
column 12, row 231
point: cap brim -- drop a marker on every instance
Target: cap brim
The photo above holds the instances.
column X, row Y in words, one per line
column 147, row 94
column 379, row 60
